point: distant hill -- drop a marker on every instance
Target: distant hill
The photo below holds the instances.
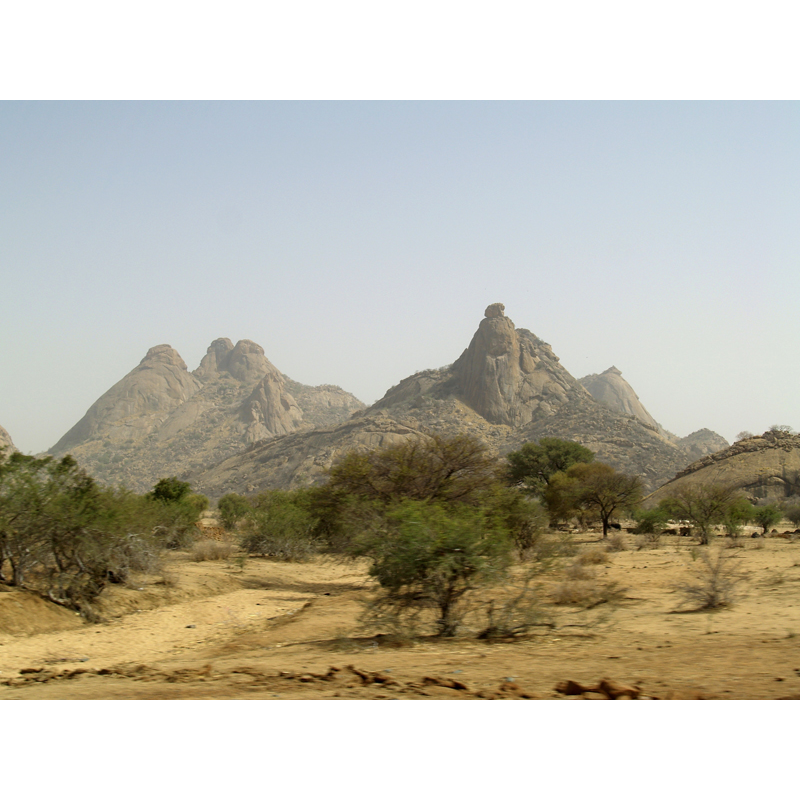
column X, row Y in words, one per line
column 161, row 419
column 765, row 467
column 506, row 388
column 5, row 439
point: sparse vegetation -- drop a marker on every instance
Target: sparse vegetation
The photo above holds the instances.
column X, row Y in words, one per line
column 716, row 582
column 737, row 515
column 593, row 555
column 650, row 525
column 616, row 543
column 703, row 504
column 232, row 508
column 791, row 510
column 209, row 550
column 65, row 537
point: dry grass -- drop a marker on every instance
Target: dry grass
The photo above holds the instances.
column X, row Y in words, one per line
column 594, row 555
column 616, row 543
column 582, row 587
column 209, row 550
column 168, row 579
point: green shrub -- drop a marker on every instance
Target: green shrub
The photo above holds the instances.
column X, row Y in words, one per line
column 232, row 507
column 278, row 526
column 432, row 556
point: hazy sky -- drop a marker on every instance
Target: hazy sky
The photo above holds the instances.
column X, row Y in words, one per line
column 359, row 242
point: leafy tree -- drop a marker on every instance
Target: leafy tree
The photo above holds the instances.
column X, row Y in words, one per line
column 524, row 518
column 791, row 511
column 451, row 470
column 63, row 535
column 738, row 514
column 170, row 490
column 703, row 504
column 534, row 464
column 595, row 488
column 602, row 490
column 232, row 507
column 430, row 555
column 279, row 525
column 178, row 511
column 767, row 516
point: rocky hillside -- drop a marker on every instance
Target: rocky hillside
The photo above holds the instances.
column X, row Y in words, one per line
column 5, row 439
column 614, row 392
column 765, row 467
column 507, row 388
column 161, row 419
column 702, row 443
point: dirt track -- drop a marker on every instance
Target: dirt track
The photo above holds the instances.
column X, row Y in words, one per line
column 289, row 631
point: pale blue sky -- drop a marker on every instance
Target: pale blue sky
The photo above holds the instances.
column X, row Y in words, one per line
column 360, row 242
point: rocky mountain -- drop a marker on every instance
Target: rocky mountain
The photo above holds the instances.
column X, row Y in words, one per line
column 765, row 467
column 161, row 419
column 5, row 439
column 507, row 388
column 614, row 392
column 702, row 443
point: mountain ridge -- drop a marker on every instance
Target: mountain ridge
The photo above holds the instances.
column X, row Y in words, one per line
column 160, row 419
column 506, row 388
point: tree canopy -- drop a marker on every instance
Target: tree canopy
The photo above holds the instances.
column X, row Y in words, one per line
column 703, row 504
column 442, row 469
column 595, row 488
column 534, row 464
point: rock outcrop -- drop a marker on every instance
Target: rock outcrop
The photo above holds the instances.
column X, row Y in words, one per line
column 138, row 404
column 613, row 391
column 507, row 388
column 702, row 443
column 162, row 420
column 765, row 467
column 5, row 439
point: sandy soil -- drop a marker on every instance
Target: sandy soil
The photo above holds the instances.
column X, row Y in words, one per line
column 290, row 631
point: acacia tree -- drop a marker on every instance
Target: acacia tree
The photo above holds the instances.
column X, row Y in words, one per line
column 441, row 469
column 534, row 464
column 431, row 555
column 765, row 516
column 703, row 504
column 595, row 488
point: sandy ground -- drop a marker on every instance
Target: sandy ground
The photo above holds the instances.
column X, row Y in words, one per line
column 290, row 631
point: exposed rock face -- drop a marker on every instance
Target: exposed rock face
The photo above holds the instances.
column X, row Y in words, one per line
column 299, row 459
column 507, row 388
column 507, row 376
column 511, row 377
column 5, row 439
column 138, row 404
column 765, row 467
column 162, row 420
column 270, row 410
column 702, row 443
column 613, row 391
